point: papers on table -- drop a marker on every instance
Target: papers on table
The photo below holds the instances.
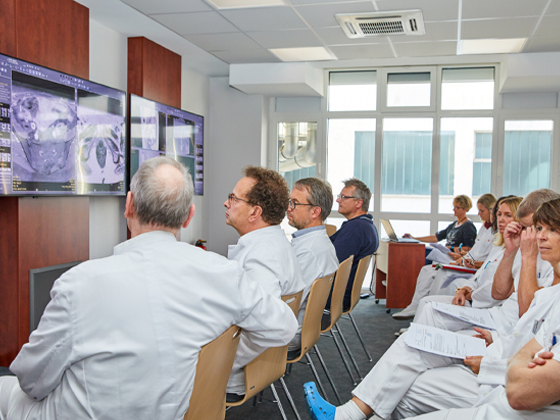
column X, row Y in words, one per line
column 445, row 343
column 479, row 317
column 441, row 248
column 438, row 256
column 459, row 268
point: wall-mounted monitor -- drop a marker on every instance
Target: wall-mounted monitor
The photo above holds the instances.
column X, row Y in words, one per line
column 59, row 134
column 158, row 129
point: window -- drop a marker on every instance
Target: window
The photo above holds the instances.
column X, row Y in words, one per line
column 408, row 89
column 297, row 143
column 352, row 91
column 527, row 149
column 470, row 88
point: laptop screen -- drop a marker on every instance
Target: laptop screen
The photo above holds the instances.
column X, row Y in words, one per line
column 389, row 229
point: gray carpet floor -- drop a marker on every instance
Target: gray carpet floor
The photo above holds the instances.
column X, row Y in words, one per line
column 378, row 329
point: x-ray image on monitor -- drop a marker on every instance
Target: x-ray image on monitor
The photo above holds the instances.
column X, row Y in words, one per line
column 149, row 128
column 43, row 132
column 102, row 144
column 180, row 139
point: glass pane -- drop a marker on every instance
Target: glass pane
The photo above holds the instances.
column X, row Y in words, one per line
column 465, row 160
column 471, row 88
column 408, row 89
column 296, row 150
column 414, row 227
column 352, row 91
column 351, row 153
column 527, row 148
column 406, row 165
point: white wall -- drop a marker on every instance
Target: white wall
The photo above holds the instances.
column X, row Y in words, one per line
column 235, row 140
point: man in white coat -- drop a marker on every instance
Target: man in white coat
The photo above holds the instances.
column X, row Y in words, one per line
column 310, row 204
column 121, row 335
column 255, row 210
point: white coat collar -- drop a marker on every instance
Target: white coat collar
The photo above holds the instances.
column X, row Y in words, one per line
column 252, row 237
column 143, row 239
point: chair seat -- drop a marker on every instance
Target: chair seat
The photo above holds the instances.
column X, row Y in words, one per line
column 233, row 398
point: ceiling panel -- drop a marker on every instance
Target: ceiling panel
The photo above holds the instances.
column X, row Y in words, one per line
column 247, row 56
column 264, row 18
column 335, row 36
column 223, row 42
column 473, row 9
column 548, row 27
column 542, row 44
column 435, row 31
column 320, row 16
column 553, row 8
column 350, row 52
column 422, row 49
column 286, row 39
column 497, row 28
column 431, row 10
column 168, row 6
column 196, row 23
column 300, row 2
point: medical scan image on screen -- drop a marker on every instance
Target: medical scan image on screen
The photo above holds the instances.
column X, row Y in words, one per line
column 59, row 134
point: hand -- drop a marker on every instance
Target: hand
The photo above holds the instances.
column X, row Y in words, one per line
column 464, row 251
column 528, row 245
column 460, row 297
column 477, row 264
column 541, row 359
column 455, row 255
column 512, row 236
column 484, row 334
column 474, row 363
column 407, row 235
column 468, row 263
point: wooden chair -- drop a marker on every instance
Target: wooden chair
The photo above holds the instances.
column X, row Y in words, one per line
column 330, row 229
column 311, row 326
column 269, row 366
column 330, row 318
column 215, row 360
column 361, row 271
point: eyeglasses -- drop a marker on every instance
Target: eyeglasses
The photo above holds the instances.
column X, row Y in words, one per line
column 292, row 204
column 457, row 207
column 231, row 197
column 343, row 197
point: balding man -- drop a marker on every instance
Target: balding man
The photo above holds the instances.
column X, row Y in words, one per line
column 121, row 335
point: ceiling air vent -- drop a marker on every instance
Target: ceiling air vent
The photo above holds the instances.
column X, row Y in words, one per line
column 362, row 25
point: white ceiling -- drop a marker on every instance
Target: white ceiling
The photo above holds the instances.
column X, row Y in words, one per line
column 194, row 28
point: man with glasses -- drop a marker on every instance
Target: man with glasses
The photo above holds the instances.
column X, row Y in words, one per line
column 255, row 209
column 310, row 204
column 357, row 236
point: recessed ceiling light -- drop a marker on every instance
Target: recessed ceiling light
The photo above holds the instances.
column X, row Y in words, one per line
column 302, row 54
column 491, row 46
column 238, row 4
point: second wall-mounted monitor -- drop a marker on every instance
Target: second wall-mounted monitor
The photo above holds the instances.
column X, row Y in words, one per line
column 158, row 129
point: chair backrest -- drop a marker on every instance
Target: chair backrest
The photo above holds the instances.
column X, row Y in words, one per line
column 270, row 365
column 330, row 229
column 361, row 271
column 215, row 360
column 339, row 288
column 311, row 325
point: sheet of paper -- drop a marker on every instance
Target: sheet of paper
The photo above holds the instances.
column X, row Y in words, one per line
column 441, row 248
column 479, row 317
column 438, row 256
column 445, row 343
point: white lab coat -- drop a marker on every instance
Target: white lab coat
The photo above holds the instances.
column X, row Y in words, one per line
column 431, row 281
column 317, row 258
column 268, row 258
column 121, row 335
column 407, row 382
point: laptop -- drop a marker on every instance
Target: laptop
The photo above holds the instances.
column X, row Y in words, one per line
column 393, row 236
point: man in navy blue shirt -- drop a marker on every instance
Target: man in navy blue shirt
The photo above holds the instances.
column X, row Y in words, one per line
column 357, row 236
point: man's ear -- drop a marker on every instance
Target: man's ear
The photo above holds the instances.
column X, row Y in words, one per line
column 129, row 206
column 256, row 212
column 316, row 212
column 189, row 217
column 359, row 203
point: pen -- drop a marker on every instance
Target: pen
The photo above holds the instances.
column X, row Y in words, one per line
column 460, row 246
column 486, row 265
column 554, row 340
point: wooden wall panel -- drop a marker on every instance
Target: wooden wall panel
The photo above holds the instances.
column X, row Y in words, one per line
column 55, row 34
column 8, row 27
column 8, row 279
column 60, row 226
column 154, row 72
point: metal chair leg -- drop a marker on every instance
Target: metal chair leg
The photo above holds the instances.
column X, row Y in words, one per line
column 345, row 343
column 360, row 336
column 317, row 379
column 277, row 401
column 327, row 373
column 346, row 365
column 290, row 400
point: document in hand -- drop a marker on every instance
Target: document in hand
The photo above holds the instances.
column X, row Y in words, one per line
column 445, row 343
column 475, row 316
column 440, row 247
column 438, row 256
